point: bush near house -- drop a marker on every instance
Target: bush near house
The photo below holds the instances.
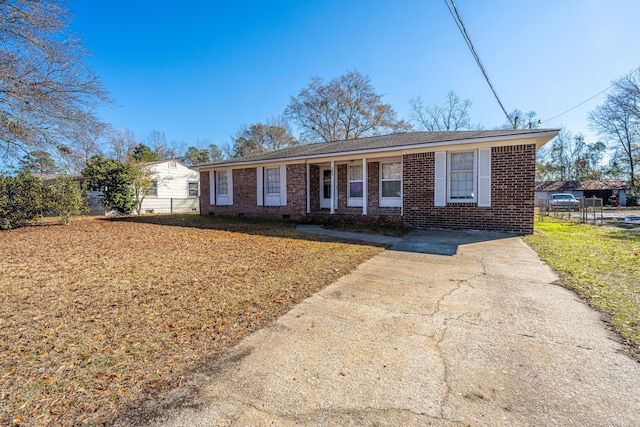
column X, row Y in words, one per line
column 22, row 198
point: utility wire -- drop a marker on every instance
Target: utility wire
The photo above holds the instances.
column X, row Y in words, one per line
column 453, row 10
column 589, row 99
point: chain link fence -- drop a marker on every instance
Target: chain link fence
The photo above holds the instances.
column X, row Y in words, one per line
column 587, row 210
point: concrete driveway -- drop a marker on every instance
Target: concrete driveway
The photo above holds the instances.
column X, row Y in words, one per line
column 446, row 329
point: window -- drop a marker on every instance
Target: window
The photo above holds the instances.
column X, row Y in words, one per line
column 222, row 183
column 462, row 177
column 391, row 184
column 173, row 164
column 153, row 189
column 220, row 187
column 193, row 189
column 355, row 188
column 272, row 181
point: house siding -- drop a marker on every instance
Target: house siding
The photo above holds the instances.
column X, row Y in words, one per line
column 173, row 189
column 512, row 194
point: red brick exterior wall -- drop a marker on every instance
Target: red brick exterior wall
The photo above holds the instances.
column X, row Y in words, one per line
column 314, row 185
column 512, row 194
column 245, row 196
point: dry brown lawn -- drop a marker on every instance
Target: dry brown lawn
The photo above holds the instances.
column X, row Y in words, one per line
column 101, row 314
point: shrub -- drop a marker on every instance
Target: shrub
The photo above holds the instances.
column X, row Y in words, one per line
column 22, row 198
column 65, row 199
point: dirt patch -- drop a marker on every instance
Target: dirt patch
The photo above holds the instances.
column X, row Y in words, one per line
column 98, row 315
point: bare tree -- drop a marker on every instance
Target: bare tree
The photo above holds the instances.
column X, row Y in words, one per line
column 87, row 142
column 344, row 108
column 46, row 91
column 451, row 116
column 121, row 142
column 570, row 157
column 158, row 143
column 521, row 120
column 618, row 121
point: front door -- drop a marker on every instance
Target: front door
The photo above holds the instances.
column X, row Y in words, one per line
column 325, row 188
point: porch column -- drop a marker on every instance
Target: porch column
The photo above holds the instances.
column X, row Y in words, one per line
column 332, row 210
column 308, row 188
column 365, row 187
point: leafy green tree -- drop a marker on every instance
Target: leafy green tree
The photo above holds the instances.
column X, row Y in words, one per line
column 141, row 181
column 21, row 199
column 65, row 199
column 214, row 153
column 38, row 161
column 346, row 107
column 261, row 138
column 196, row 156
column 142, row 153
column 116, row 180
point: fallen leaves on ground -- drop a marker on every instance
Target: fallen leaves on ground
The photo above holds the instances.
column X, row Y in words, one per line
column 96, row 315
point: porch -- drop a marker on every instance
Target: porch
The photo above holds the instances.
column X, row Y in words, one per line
column 371, row 187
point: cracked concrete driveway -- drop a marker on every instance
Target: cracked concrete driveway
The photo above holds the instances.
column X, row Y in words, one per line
column 447, row 328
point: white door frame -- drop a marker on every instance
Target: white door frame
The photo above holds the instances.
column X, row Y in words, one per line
column 325, row 203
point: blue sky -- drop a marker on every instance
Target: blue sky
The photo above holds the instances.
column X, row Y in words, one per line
column 202, row 69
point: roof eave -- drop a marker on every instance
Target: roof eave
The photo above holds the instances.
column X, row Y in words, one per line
column 540, row 139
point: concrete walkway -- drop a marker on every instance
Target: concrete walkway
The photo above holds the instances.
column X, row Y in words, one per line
column 444, row 329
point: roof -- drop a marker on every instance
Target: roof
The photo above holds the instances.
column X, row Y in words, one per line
column 158, row 162
column 53, row 176
column 589, row 185
column 385, row 143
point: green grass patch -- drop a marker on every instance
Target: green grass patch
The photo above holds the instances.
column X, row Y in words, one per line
column 602, row 264
column 384, row 230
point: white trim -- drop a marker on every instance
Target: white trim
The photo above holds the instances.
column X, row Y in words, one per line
column 365, row 186
column 474, row 174
column 332, row 208
column 390, row 201
column 354, row 201
column 260, row 186
column 484, row 177
column 224, row 199
column 273, row 199
column 324, row 202
column 197, row 189
column 283, row 185
column 440, row 179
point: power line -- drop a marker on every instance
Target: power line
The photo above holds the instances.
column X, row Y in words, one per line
column 589, row 99
column 458, row 20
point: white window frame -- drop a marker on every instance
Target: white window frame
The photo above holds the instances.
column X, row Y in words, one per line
column 262, row 184
column 189, row 189
column 474, row 174
column 153, row 189
column 272, row 198
column 390, row 201
column 223, row 199
column 354, row 201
